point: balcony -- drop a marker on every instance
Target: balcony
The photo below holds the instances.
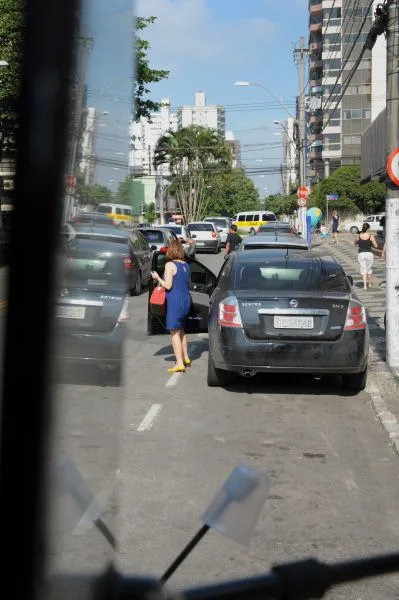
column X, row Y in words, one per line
column 315, row 6
column 316, row 63
column 316, row 83
column 316, row 26
column 316, row 118
column 318, row 89
column 316, row 46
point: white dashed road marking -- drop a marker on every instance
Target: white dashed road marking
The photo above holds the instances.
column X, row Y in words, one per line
column 150, row 417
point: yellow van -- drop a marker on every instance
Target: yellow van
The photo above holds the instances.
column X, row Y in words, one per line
column 120, row 213
column 250, row 221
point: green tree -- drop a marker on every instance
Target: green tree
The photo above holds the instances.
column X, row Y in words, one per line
column 150, row 215
column 93, row 194
column 281, row 205
column 11, row 47
column 145, row 75
column 124, row 192
column 230, row 192
column 194, row 154
column 353, row 196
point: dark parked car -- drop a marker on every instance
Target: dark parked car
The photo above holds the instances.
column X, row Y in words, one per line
column 92, row 219
column 158, row 238
column 276, row 227
column 91, row 309
column 288, row 313
column 277, row 240
column 138, row 253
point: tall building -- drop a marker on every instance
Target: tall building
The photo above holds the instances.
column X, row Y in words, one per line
column 289, row 164
column 334, row 46
column 144, row 137
column 206, row 115
column 87, row 165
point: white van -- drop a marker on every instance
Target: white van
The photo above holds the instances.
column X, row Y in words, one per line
column 120, row 213
column 250, row 221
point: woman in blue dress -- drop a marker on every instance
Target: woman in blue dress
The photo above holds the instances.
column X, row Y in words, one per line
column 335, row 226
column 178, row 302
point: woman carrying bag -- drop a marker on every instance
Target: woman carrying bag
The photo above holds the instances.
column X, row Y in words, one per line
column 178, row 302
column 366, row 241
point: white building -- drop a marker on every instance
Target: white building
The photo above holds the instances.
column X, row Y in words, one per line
column 235, row 147
column 144, row 137
column 289, row 164
column 212, row 115
column 87, row 164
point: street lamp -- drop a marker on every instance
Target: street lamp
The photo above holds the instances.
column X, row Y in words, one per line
column 251, row 83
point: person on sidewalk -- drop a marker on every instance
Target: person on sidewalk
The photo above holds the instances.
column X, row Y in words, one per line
column 233, row 240
column 323, row 231
column 335, row 226
column 365, row 241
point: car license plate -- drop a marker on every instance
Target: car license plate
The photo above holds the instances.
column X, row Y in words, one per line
column 200, row 243
column 71, row 312
column 293, row 322
column 99, row 282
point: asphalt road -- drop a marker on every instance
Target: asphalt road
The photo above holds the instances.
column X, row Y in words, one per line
column 334, row 492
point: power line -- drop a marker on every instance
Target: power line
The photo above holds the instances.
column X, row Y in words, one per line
column 324, row 108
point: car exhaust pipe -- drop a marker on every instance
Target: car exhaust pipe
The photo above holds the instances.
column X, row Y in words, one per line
column 248, row 372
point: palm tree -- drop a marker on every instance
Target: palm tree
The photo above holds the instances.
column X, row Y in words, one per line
column 192, row 154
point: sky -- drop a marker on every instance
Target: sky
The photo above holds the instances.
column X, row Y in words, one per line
column 207, row 45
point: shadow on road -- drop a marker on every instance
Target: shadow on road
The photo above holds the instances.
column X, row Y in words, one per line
column 196, row 349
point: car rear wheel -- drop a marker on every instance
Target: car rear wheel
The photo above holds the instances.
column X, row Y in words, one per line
column 355, row 381
column 216, row 377
column 136, row 291
column 354, row 229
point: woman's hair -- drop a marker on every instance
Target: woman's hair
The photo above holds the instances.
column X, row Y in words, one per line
column 175, row 251
column 365, row 227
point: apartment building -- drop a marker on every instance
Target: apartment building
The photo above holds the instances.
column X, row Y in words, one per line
column 144, row 136
column 336, row 124
column 206, row 115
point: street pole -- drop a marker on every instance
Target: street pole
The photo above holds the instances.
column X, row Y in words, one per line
column 300, row 55
column 161, row 199
column 392, row 199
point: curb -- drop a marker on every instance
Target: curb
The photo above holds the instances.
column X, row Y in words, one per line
column 385, row 417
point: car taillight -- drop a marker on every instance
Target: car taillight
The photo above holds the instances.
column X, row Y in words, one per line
column 124, row 316
column 356, row 317
column 127, row 261
column 213, row 234
column 164, row 249
column 229, row 313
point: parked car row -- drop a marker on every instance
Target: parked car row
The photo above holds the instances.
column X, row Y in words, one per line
column 275, row 307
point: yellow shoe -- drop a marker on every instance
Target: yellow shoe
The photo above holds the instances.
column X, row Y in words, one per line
column 177, row 370
column 187, row 362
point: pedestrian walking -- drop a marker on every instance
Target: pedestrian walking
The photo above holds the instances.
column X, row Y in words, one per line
column 335, row 226
column 178, row 302
column 233, row 240
column 366, row 241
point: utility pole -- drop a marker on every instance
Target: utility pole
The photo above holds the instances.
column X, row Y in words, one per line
column 299, row 56
column 84, row 43
column 392, row 198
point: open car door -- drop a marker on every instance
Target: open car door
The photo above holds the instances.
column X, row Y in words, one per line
column 202, row 285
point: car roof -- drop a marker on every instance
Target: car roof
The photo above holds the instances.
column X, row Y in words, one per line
column 261, row 241
column 102, row 231
column 282, row 254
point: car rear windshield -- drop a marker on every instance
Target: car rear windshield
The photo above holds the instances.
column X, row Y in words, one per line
column 200, row 227
column 291, row 275
column 175, row 228
column 153, row 237
column 218, row 222
column 94, row 220
column 274, row 227
column 94, row 264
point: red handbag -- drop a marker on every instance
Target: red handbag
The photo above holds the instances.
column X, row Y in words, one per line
column 158, row 301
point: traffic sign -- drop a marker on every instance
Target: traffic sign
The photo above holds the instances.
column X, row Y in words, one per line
column 332, row 197
column 393, row 166
column 303, row 192
column 302, row 202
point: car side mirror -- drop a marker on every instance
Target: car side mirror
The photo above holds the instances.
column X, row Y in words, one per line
column 153, row 247
column 350, row 278
column 220, row 230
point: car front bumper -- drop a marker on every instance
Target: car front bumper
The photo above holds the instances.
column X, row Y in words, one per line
column 231, row 350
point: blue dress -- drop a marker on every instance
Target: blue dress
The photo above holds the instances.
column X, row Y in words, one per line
column 335, row 224
column 178, row 299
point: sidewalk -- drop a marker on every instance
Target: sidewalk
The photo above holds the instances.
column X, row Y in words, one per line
column 382, row 385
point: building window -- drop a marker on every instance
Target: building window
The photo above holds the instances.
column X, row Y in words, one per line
column 357, row 113
column 352, row 140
